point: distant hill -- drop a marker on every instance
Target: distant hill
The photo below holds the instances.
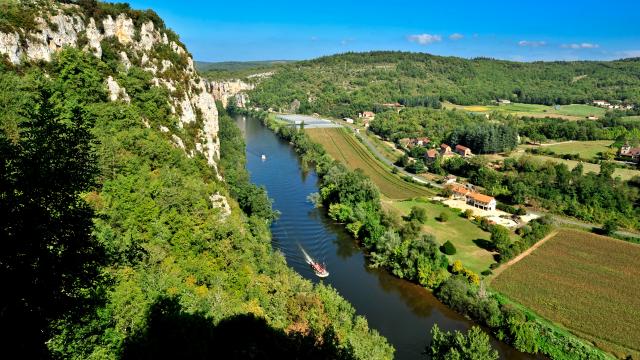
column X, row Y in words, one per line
column 235, row 69
column 344, row 84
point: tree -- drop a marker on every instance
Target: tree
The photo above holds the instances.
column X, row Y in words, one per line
column 468, row 214
column 448, row 248
column 500, row 239
column 418, row 213
column 610, row 227
column 472, row 345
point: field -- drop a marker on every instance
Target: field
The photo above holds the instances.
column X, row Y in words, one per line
column 587, row 283
column 461, row 232
column 569, row 112
column 586, row 149
column 343, row 147
column 624, row 174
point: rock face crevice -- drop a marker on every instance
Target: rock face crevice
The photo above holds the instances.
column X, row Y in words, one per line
column 65, row 26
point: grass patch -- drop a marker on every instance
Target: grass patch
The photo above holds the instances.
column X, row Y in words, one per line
column 587, row 283
column 465, row 235
column 343, row 147
column 569, row 112
column 586, row 149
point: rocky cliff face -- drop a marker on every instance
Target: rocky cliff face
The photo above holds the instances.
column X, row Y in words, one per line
column 225, row 90
column 141, row 43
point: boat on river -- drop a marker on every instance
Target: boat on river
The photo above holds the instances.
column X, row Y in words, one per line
column 320, row 269
column 263, row 157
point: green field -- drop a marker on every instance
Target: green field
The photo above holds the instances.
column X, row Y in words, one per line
column 586, row 149
column 344, row 147
column 461, row 232
column 624, row 174
column 584, row 282
column 570, row 112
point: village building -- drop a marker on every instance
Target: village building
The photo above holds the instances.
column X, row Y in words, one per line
column 592, row 117
column 348, row 120
column 601, row 103
column 463, row 150
column 504, row 101
column 630, row 152
column 422, row 141
column 445, row 149
column 367, row 115
column 431, row 155
column 450, row 179
column 475, row 199
column 406, row 143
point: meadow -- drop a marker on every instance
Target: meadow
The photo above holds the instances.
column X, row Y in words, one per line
column 464, row 234
column 344, row 147
column 585, row 149
column 584, row 282
column 569, row 112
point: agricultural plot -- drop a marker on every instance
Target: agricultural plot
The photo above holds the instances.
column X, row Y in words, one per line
column 587, row 283
column 464, row 234
column 345, row 148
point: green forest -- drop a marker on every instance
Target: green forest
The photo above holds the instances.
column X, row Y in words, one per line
column 345, row 84
column 112, row 247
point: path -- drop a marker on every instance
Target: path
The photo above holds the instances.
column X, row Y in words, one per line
column 521, row 256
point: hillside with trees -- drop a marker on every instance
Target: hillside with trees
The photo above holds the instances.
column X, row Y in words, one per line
column 345, row 84
column 121, row 242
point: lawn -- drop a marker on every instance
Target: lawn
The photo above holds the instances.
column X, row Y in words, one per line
column 569, row 112
column 460, row 231
column 624, row 174
column 585, row 282
column 344, row 147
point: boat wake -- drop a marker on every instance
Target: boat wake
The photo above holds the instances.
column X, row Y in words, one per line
column 319, row 269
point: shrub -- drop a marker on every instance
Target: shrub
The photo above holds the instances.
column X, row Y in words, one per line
column 443, row 217
column 468, row 213
column 418, row 213
column 448, row 248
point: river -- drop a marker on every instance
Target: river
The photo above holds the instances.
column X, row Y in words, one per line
column 401, row 311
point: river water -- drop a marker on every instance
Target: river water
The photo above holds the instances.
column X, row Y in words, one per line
column 401, row 311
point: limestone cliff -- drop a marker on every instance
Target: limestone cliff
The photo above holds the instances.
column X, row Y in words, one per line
column 227, row 89
column 141, row 40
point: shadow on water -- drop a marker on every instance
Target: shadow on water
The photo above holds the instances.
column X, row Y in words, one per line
column 173, row 334
column 401, row 311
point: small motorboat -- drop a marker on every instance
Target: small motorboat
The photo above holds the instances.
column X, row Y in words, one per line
column 263, row 157
column 319, row 269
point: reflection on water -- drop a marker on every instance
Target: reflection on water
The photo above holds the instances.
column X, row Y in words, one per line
column 401, row 311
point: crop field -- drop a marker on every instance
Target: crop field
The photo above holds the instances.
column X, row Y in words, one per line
column 464, row 234
column 343, row 147
column 569, row 112
column 624, row 174
column 585, row 282
column 586, row 149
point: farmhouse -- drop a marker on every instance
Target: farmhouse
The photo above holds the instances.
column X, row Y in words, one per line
column 484, row 202
column 405, row 143
column 601, row 103
column 592, row 117
column 431, row 155
column 463, row 150
column 445, row 149
column 504, row 101
column 422, row 141
column 627, row 151
column 348, row 120
column 450, row 179
column 367, row 115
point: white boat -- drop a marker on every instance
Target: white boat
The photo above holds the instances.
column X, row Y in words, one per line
column 319, row 269
column 263, row 157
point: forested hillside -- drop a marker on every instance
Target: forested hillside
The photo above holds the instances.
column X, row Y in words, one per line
column 342, row 85
column 120, row 237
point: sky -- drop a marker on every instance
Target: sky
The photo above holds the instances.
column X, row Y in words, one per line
column 525, row 30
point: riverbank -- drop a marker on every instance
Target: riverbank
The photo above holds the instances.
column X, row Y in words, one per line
column 456, row 287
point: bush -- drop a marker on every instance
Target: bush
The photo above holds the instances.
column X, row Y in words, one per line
column 486, row 272
column 418, row 213
column 468, row 214
column 448, row 248
column 443, row 217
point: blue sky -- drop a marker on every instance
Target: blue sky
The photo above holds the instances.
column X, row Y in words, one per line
column 512, row 30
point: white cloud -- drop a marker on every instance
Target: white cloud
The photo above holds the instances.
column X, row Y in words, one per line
column 629, row 53
column 314, row 38
column 532, row 43
column 456, row 36
column 424, row 39
column 580, row 46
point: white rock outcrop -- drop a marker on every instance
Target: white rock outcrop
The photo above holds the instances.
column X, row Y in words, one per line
column 224, row 90
column 61, row 29
column 220, row 202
